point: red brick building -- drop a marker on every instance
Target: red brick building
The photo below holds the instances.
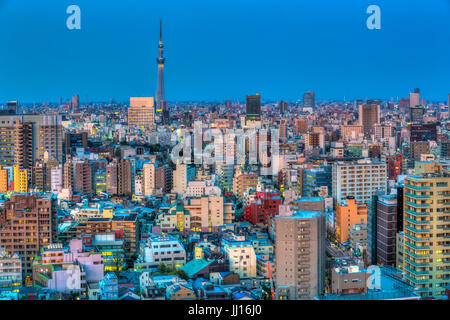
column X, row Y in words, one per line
column 394, row 166
column 266, row 203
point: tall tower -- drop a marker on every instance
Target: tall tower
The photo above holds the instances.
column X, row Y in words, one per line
column 160, row 60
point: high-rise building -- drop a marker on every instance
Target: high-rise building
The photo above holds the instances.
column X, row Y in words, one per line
column 416, row 114
column 418, row 148
column 253, row 107
column 68, row 174
column 369, row 116
column 301, row 126
column 315, row 178
column 359, row 179
column 39, row 177
column 181, row 177
column 404, row 105
column 124, row 178
column 42, row 132
column 225, row 173
column 314, row 140
column 23, row 145
column 84, row 178
column 155, row 178
column 165, row 112
column 75, row 103
column 141, row 113
column 111, row 178
column 414, row 100
column 426, row 232
column 387, row 219
column 19, row 216
column 282, row 129
column 243, row 182
column 100, row 181
column 309, row 100
column 383, row 132
column 73, row 140
column 283, row 107
column 56, row 179
column 300, row 255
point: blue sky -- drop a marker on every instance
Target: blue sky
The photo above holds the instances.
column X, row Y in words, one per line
column 217, row 50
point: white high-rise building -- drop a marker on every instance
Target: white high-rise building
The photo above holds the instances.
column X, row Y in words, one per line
column 359, row 179
column 57, row 179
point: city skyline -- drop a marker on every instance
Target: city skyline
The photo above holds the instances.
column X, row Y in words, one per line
column 234, row 152
column 202, row 67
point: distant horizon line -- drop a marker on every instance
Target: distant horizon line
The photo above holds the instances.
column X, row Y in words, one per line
column 266, row 101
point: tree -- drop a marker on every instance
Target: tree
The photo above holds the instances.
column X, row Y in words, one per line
column 163, row 267
column 117, row 262
column 182, row 274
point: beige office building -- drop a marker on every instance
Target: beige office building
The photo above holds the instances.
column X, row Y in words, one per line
column 141, row 113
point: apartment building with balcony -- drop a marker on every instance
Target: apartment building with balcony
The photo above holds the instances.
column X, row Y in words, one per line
column 426, row 260
column 387, row 220
column 359, row 179
column 300, row 255
column 27, row 224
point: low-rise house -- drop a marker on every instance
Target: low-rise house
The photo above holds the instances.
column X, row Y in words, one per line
column 128, row 294
column 160, row 249
column 224, row 278
column 180, row 291
column 109, row 287
column 206, row 290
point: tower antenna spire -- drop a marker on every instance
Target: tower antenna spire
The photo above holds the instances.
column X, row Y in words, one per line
column 160, row 29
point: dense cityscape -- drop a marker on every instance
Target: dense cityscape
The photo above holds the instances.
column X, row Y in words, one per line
column 234, row 200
